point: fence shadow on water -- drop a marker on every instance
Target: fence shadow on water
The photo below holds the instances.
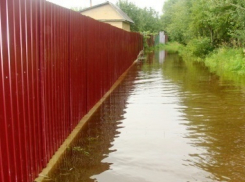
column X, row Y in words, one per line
column 55, row 65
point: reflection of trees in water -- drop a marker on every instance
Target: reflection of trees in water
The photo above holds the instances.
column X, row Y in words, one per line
column 84, row 158
column 215, row 119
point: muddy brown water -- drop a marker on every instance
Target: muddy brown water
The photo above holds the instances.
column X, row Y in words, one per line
column 168, row 121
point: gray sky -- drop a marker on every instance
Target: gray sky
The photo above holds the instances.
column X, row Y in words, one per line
column 155, row 4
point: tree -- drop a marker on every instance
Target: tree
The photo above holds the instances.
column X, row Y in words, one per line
column 176, row 20
column 221, row 21
column 239, row 21
column 146, row 19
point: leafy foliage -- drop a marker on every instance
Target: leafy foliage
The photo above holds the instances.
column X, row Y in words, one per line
column 146, row 19
column 175, row 20
column 212, row 31
column 221, row 21
column 199, row 47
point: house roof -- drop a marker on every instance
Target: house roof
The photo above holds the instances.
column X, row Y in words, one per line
column 118, row 10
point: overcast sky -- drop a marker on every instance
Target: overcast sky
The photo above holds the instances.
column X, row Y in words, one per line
column 155, row 4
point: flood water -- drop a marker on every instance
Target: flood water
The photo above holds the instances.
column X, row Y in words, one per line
column 168, row 121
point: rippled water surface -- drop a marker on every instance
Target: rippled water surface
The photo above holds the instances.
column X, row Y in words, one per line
column 168, row 121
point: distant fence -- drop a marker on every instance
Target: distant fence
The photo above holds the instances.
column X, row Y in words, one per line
column 161, row 38
column 55, row 64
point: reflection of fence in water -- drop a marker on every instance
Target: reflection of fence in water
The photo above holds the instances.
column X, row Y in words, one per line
column 97, row 136
column 161, row 56
column 55, row 65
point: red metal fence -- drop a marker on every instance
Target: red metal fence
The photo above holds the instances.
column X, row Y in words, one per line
column 55, row 64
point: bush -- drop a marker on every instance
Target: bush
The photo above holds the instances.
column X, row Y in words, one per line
column 199, row 47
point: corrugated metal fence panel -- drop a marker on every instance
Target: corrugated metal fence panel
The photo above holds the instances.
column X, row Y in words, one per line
column 113, row 55
column 104, row 47
column 116, row 59
column 55, row 75
column 124, row 54
column 54, row 66
column 93, row 59
column 1, row 165
column 8, row 165
column 32, row 86
column 20, row 112
column 78, row 69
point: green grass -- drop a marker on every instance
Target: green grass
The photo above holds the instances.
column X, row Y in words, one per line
column 172, row 47
column 226, row 60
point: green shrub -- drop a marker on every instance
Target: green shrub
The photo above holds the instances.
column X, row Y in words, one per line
column 199, row 47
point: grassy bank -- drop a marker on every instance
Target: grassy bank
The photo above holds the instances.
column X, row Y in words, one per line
column 172, row 47
column 222, row 61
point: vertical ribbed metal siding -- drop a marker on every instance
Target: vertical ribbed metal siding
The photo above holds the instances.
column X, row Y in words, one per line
column 78, row 69
column 20, row 95
column 54, row 66
column 104, row 47
column 55, row 76
column 93, row 60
